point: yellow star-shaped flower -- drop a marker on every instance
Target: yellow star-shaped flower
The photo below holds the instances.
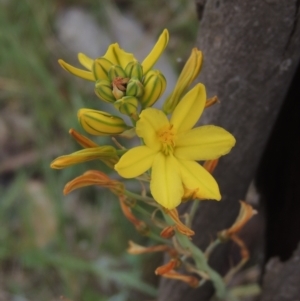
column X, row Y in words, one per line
column 171, row 149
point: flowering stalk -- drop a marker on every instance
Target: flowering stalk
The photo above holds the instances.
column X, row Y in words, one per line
column 167, row 159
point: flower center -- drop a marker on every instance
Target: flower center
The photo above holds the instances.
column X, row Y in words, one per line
column 119, row 85
column 166, row 136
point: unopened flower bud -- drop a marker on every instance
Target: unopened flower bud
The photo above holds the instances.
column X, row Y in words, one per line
column 101, row 123
column 116, row 71
column 127, row 105
column 106, row 154
column 155, row 85
column 103, row 90
column 134, row 88
column 101, row 67
column 134, row 69
column 189, row 72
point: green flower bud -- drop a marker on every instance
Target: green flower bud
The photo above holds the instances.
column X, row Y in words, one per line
column 103, row 90
column 101, row 67
column 134, row 69
column 155, row 85
column 134, row 88
column 116, row 71
column 101, row 123
column 127, row 105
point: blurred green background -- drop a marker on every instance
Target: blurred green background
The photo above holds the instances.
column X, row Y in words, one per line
column 50, row 244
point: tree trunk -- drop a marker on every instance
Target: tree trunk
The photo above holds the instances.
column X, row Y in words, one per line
column 281, row 282
column 251, row 51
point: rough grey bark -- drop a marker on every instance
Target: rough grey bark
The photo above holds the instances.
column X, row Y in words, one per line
column 281, row 282
column 251, row 50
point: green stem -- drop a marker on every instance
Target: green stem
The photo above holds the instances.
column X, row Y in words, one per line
column 200, row 260
column 198, row 256
column 234, row 270
column 246, row 290
column 211, row 247
column 140, row 197
column 133, row 121
column 121, row 152
column 147, row 214
column 156, row 237
column 141, row 210
column 192, row 213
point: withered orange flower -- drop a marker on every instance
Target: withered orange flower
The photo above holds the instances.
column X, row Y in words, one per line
column 181, row 227
column 245, row 214
column 94, row 177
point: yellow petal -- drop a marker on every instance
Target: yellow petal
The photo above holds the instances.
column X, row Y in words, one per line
column 135, row 162
column 189, row 110
column 166, row 186
column 118, row 56
column 189, row 72
column 196, row 178
column 78, row 72
column 156, row 52
column 85, row 61
column 204, row 143
column 150, row 122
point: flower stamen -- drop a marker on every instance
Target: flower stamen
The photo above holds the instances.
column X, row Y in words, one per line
column 120, row 83
column 166, row 136
column 119, row 86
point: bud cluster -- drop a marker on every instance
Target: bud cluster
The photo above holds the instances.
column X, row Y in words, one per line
column 126, row 88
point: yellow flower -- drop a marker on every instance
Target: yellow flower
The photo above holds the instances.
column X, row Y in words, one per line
column 113, row 71
column 171, row 149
